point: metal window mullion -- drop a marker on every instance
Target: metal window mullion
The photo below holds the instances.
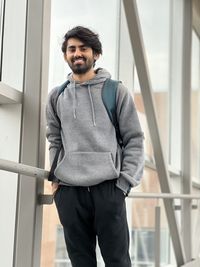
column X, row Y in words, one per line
column 46, row 18
column 29, row 213
column 146, row 89
column 198, row 110
column 157, row 235
column 175, row 55
column 2, row 18
column 171, row 22
column 196, row 16
column 186, row 127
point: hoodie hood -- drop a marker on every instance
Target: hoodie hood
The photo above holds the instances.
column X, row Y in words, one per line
column 100, row 77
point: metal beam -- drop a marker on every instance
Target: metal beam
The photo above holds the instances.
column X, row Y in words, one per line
column 186, row 182
column 193, row 263
column 23, row 169
column 2, row 17
column 146, row 90
column 29, row 213
column 34, row 172
column 46, row 19
column 9, row 95
column 157, row 236
column 196, row 16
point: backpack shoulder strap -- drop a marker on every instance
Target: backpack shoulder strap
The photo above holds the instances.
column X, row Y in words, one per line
column 109, row 94
column 63, row 86
column 59, row 91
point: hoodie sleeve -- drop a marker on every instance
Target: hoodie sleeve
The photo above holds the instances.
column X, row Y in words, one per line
column 133, row 137
column 53, row 125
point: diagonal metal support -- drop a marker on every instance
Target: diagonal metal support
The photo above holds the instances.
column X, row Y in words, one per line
column 146, row 90
column 196, row 16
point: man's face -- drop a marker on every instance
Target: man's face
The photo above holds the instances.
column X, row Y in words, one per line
column 79, row 57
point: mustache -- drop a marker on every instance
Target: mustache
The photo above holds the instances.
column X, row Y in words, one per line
column 76, row 58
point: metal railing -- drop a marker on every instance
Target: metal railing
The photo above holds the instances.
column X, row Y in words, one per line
column 23, row 169
column 19, row 168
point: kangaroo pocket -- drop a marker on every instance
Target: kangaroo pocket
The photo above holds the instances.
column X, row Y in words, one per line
column 86, row 168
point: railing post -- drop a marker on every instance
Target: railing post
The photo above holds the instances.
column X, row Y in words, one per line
column 157, row 236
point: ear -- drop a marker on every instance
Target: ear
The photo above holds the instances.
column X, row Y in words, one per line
column 96, row 56
column 65, row 57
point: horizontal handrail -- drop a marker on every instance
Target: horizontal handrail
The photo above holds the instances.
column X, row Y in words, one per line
column 20, row 168
column 11, row 166
column 163, row 195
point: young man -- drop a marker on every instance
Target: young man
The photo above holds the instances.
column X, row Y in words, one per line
column 94, row 174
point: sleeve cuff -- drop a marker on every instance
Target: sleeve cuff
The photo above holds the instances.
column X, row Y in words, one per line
column 124, row 185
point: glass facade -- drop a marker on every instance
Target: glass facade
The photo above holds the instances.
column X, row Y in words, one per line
column 163, row 47
column 86, row 14
column 11, row 73
column 118, row 58
column 163, row 35
column 13, row 43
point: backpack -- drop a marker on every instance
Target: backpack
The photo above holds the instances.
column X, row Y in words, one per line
column 109, row 92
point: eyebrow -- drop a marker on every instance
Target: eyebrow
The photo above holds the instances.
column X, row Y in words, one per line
column 80, row 46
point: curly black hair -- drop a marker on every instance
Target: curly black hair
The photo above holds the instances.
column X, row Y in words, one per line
column 85, row 35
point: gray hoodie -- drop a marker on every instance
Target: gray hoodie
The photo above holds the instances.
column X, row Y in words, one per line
column 90, row 153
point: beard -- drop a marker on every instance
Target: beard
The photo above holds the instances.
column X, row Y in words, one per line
column 81, row 68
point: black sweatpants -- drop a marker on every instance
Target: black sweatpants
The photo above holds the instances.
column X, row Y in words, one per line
column 89, row 212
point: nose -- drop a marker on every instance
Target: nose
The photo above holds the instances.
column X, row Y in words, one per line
column 77, row 53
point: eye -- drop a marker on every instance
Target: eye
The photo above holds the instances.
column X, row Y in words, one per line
column 71, row 49
column 84, row 48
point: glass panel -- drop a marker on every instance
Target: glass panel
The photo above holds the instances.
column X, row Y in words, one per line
column 195, row 220
column 89, row 14
column 175, row 82
column 86, row 13
column 195, row 105
column 126, row 62
column 141, row 222
column 154, row 19
column 49, row 231
column 10, row 118
column 160, row 23
column 13, row 43
column 143, row 233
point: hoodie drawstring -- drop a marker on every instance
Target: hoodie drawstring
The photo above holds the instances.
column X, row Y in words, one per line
column 75, row 103
column 74, row 100
column 92, row 106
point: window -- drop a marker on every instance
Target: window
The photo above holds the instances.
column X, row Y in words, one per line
column 142, row 249
column 87, row 13
column 61, row 256
column 195, row 103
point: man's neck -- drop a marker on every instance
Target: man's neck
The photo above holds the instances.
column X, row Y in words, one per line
column 84, row 77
